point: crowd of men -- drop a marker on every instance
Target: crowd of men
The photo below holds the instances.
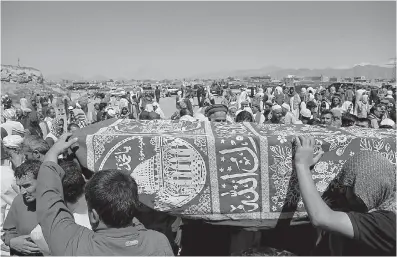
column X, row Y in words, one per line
column 321, row 106
column 51, row 205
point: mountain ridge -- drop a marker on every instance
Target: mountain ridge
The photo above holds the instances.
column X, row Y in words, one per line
column 370, row 71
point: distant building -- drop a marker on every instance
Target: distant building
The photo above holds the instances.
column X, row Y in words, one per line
column 289, row 81
column 360, row 79
column 333, row 79
column 80, row 83
column 347, row 80
column 315, row 78
column 261, row 79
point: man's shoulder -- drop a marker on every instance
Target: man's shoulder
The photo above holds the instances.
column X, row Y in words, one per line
column 18, row 200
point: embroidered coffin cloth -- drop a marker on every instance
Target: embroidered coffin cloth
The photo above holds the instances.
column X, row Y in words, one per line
column 222, row 171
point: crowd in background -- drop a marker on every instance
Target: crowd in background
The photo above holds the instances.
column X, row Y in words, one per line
column 51, row 205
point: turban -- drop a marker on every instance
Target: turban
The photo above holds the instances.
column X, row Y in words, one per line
column 303, row 90
column 364, row 97
column 149, row 108
column 336, row 112
column 179, row 93
column 276, row 107
column 306, row 113
column 111, row 112
column 387, row 122
column 155, row 104
column 215, row 108
column 13, row 141
column 9, row 114
column 286, row 106
column 389, row 92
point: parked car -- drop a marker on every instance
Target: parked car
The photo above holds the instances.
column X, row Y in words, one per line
column 148, row 90
column 118, row 92
column 172, row 91
column 235, row 89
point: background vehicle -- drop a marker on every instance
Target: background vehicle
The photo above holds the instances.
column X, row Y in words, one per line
column 235, row 89
column 118, row 92
column 148, row 90
column 172, row 91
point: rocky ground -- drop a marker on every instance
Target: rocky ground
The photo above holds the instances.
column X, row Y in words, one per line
column 21, row 75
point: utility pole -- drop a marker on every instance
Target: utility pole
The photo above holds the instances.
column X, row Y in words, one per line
column 394, row 65
column 18, row 62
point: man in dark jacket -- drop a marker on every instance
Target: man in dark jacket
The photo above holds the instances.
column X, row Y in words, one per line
column 157, row 93
column 112, row 200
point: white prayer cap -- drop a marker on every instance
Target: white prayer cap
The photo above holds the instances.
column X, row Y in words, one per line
column 389, row 92
column 111, row 112
column 306, row 113
column 13, row 141
column 387, row 122
column 286, row 106
column 70, row 108
column 149, row 108
column 276, row 107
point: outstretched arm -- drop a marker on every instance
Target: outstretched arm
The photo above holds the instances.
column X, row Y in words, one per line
column 54, row 217
column 319, row 213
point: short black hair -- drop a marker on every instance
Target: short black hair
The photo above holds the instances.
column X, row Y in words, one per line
column 35, row 143
column 72, row 125
column 311, row 105
column 349, row 120
column 244, row 116
column 28, row 167
column 49, row 110
column 364, row 120
column 184, row 112
column 327, row 112
column 114, row 195
column 73, row 182
column 102, row 106
column 385, row 127
column 144, row 115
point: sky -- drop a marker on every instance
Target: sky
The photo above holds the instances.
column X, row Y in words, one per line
column 181, row 39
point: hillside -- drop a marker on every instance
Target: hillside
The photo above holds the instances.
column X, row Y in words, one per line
column 21, row 75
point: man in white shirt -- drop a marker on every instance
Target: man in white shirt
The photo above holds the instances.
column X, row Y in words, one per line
column 11, row 124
